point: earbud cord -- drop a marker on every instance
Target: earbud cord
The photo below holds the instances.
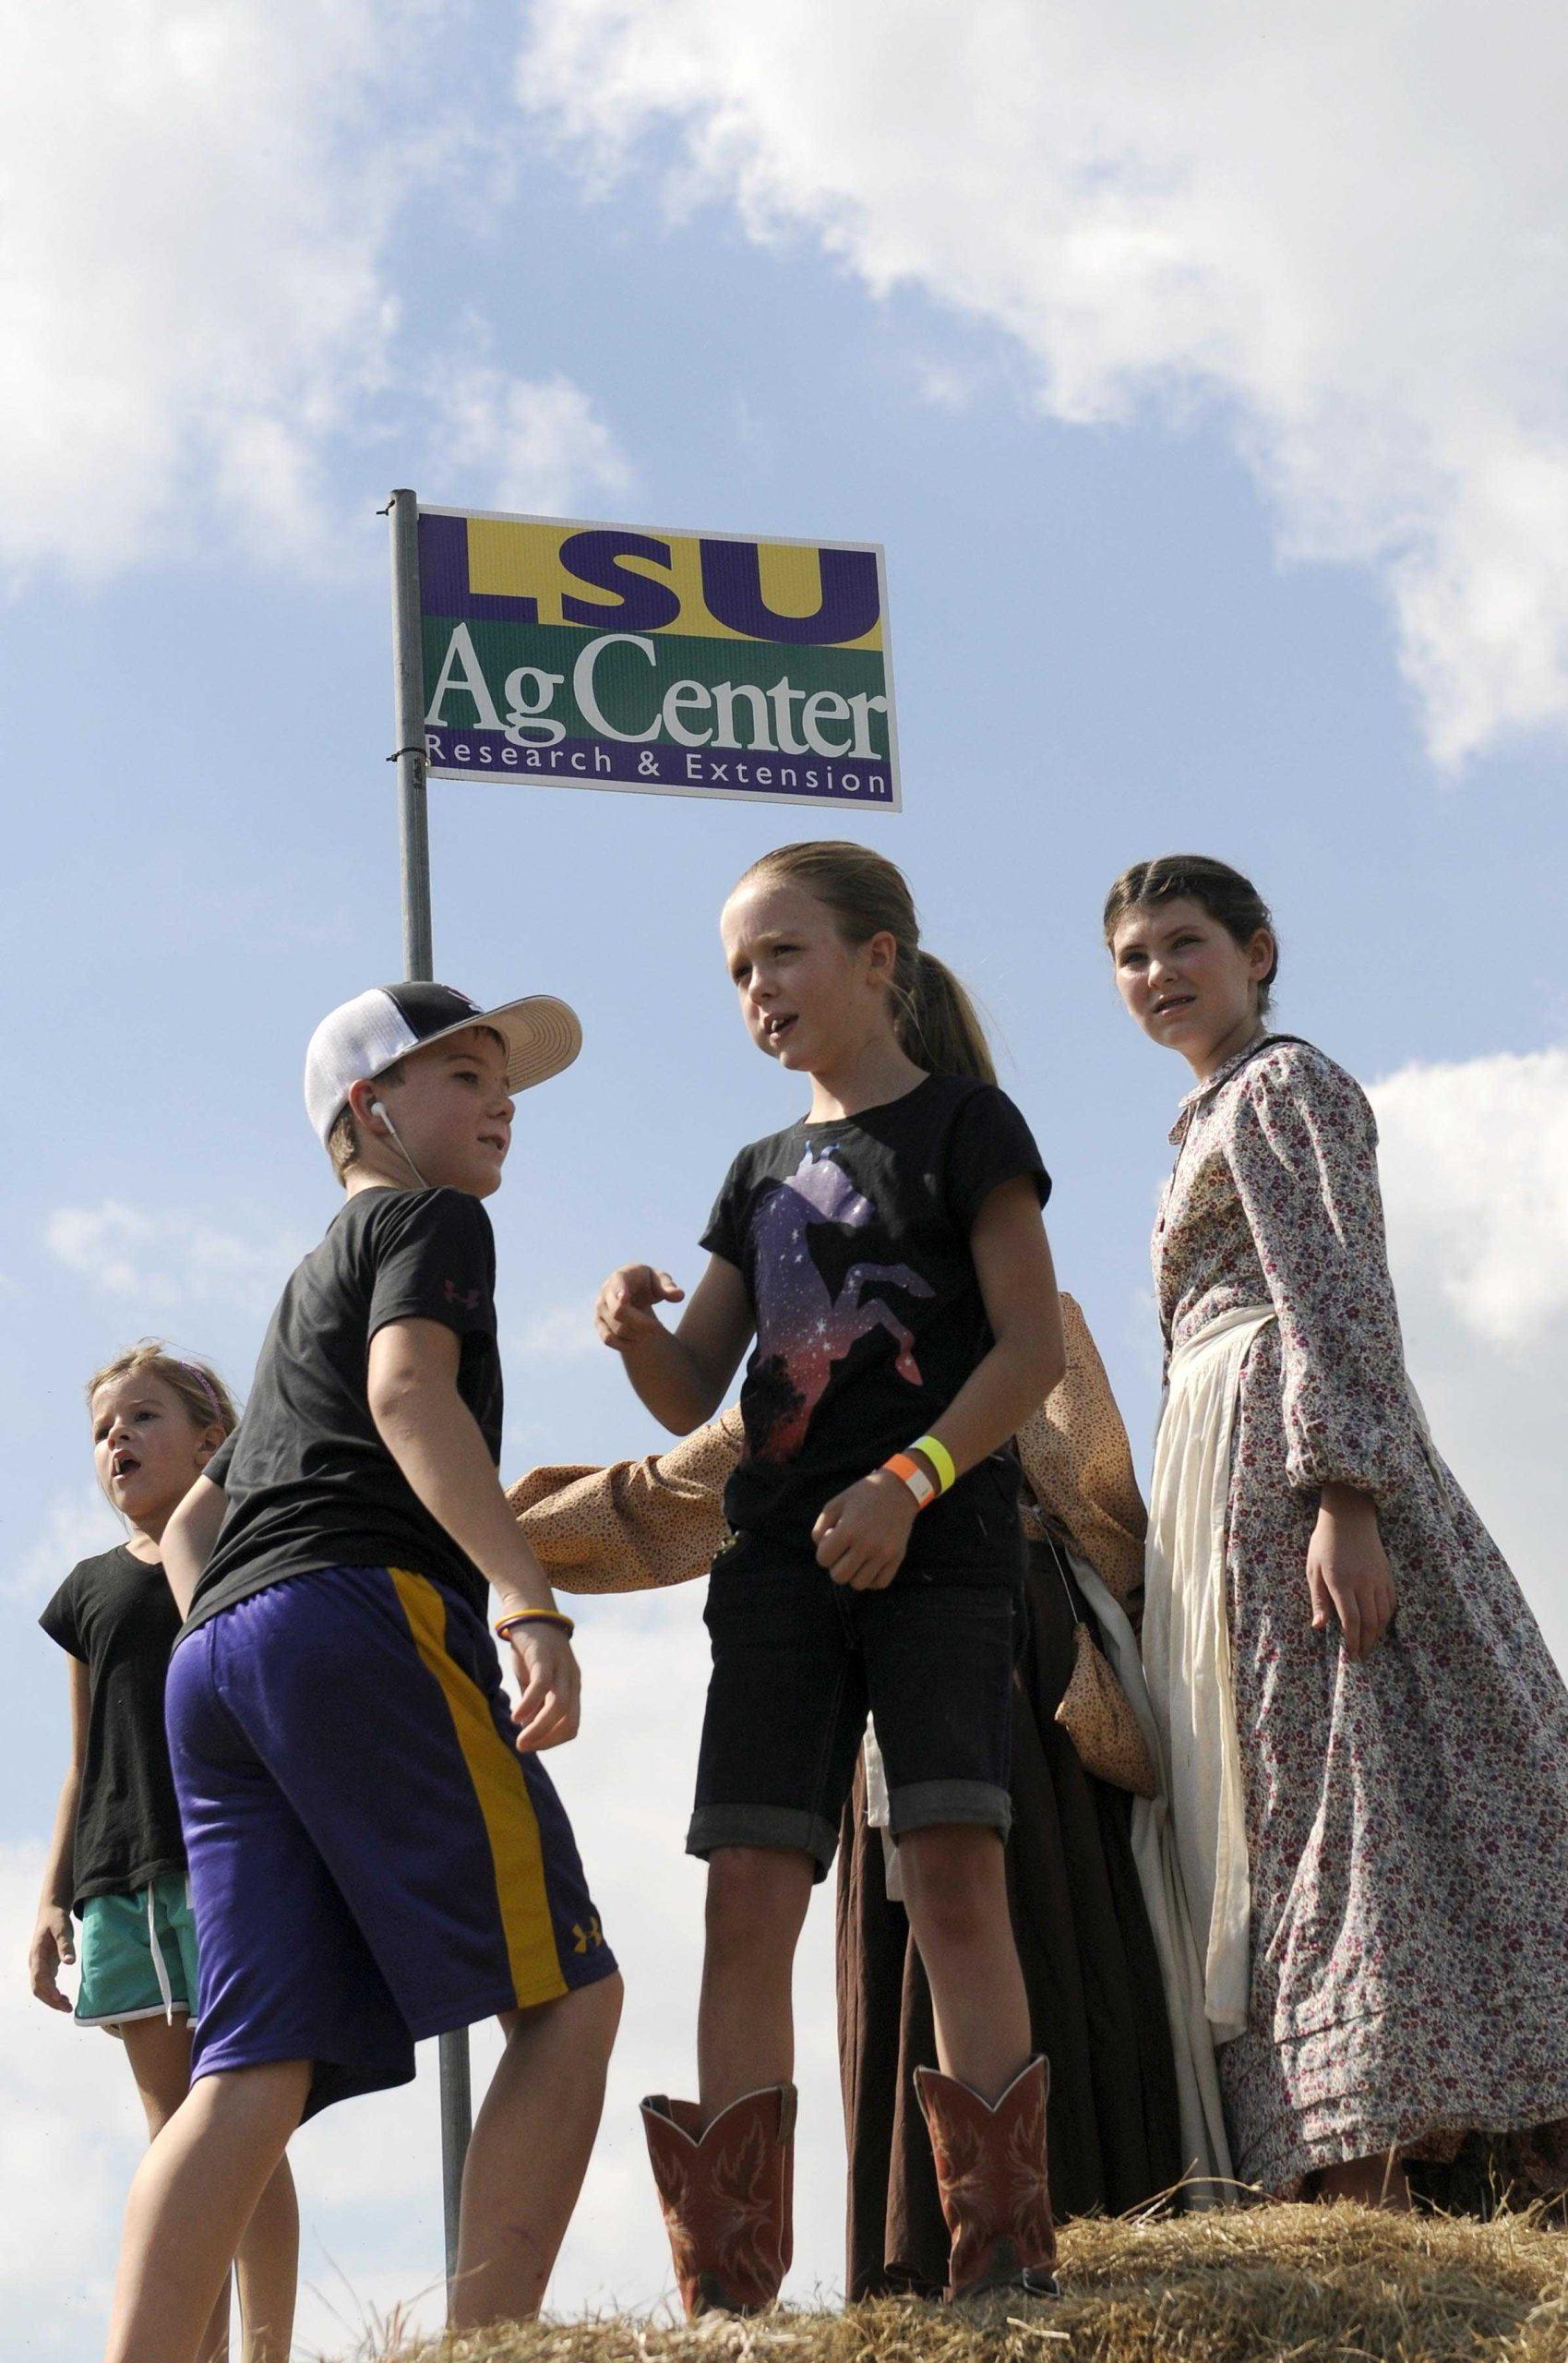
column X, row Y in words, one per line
column 401, row 1151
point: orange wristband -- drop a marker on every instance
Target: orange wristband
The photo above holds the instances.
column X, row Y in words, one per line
column 910, row 1474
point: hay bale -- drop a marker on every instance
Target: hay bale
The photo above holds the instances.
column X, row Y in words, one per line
column 1263, row 2285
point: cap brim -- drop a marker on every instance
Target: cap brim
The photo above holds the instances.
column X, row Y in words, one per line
column 542, row 1035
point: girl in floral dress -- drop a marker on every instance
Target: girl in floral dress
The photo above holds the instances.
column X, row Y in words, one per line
column 1373, row 1827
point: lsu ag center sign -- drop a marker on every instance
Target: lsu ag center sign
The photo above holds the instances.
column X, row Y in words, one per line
column 677, row 664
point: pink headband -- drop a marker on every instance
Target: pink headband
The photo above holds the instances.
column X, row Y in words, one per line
column 208, row 1390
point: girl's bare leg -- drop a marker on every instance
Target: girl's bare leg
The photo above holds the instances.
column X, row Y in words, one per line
column 955, row 1894
column 1374, row 2182
column 756, row 1900
column 159, row 2053
column 194, row 2193
column 530, row 2152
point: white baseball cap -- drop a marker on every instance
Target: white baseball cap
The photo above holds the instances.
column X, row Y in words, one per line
column 363, row 1038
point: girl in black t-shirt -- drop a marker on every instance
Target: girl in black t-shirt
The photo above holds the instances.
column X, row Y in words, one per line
column 886, row 1253
column 117, row 1858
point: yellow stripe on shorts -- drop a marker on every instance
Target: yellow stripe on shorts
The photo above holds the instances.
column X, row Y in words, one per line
column 511, row 1822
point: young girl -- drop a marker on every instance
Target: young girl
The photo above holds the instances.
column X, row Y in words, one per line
column 886, row 1253
column 1368, row 1739
column 1127, row 2121
column 117, row 1858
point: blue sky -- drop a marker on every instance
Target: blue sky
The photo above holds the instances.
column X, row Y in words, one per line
column 1212, row 568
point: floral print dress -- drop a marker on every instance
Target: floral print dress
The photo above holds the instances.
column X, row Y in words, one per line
column 1407, row 1816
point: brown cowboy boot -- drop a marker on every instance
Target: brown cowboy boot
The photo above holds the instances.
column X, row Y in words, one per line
column 991, row 2176
column 727, row 2195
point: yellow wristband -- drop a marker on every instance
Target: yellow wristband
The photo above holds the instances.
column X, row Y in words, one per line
column 941, row 1459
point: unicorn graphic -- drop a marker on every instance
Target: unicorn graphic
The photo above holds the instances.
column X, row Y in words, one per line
column 802, row 1328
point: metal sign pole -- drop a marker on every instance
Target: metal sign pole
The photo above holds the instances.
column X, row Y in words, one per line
column 408, row 665
column 408, row 673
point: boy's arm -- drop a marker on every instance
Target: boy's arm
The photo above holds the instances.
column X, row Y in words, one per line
column 53, row 1942
column 436, row 1442
column 188, row 1539
column 682, row 1375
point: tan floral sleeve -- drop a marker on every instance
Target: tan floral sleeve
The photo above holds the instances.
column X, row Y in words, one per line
column 638, row 1524
column 1302, row 1149
column 1079, row 1467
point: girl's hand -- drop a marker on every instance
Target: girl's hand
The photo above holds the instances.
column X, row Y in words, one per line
column 862, row 1535
column 624, row 1314
column 53, row 1944
column 1347, row 1571
column 549, row 1709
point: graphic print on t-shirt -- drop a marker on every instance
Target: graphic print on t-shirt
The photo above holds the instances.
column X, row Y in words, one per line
column 802, row 1328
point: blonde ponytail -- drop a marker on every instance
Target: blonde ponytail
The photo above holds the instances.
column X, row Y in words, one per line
column 939, row 1026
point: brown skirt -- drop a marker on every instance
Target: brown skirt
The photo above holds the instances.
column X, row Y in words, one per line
column 1095, row 1997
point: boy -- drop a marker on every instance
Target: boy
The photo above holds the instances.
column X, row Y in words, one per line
column 374, row 1855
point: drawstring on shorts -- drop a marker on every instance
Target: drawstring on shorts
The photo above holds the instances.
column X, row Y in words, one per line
column 164, row 1988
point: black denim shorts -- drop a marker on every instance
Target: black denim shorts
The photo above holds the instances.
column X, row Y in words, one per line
column 799, row 1661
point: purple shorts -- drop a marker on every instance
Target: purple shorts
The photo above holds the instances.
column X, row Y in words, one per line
column 371, row 1861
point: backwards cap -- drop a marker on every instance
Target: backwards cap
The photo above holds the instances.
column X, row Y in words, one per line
column 363, row 1038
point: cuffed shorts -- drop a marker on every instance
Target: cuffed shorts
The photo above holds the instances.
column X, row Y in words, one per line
column 370, row 1860
column 797, row 1662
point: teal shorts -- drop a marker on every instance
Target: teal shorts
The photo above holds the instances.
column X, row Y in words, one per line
column 137, row 1955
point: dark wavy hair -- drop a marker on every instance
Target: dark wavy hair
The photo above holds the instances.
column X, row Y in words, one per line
column 1231, row 900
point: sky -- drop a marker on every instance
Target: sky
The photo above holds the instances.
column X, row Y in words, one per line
column 1204, row 380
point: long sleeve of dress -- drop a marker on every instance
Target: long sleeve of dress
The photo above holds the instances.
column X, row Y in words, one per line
column 1079, row 1467
column 638, row 1524
column 1302, row 1151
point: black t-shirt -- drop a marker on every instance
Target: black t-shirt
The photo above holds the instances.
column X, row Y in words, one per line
column 310, row 1483
column 118, row 1617
column 853, row 1241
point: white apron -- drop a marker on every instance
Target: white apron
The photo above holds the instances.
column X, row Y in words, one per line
column 1187, row 1654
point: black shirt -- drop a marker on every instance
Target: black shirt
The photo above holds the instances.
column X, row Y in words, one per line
column 118, row 1617
column 310, row 1483
column 853, row 1241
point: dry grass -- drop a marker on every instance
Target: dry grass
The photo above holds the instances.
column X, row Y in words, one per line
column 1303, row 2285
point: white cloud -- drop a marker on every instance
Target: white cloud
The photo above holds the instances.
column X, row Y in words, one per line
column 537, row 446
column 1337, row 227
column 70, row 2134
column 564, row 1332
column 75, row 1524
column 172, row 1259
column 193, row 211
column 196, row 209
column 1473, row 1158
column 1474, row 1164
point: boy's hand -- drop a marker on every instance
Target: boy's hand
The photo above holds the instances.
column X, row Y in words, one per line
column 53, row 1944
column 546, row 1714
column 624, row 1314
column 861, row 1536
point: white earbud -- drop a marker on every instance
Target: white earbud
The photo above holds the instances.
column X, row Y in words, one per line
column 378, row 1109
